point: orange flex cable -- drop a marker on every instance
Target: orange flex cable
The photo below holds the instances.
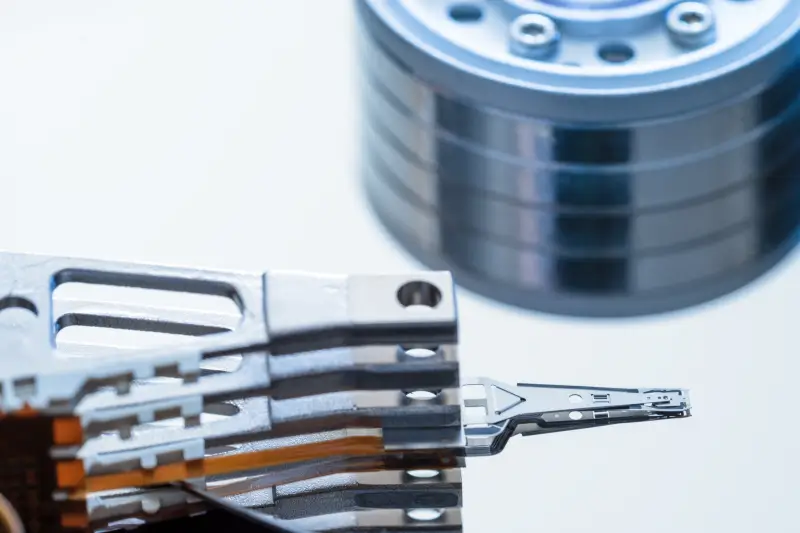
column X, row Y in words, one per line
column 75, row 521
column 71, row 475
column 67, row 430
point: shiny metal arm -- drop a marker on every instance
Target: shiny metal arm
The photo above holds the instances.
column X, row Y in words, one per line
column 494, row 411
column 307, row 376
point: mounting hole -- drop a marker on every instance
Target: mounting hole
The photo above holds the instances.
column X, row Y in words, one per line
column 419, row 293
column 421, row 395
column 616, row 53
column 423, row 474
column 692, row 18
column 424, row 515
column 533, row 29
column 420, row 353
column 466, row 13
column 575, row 398
column 18, row 302
column 576, row 415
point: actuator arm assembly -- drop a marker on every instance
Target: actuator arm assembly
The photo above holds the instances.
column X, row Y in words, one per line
column 313, row 384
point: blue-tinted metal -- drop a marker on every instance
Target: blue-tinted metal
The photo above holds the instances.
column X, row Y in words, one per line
column 622, row 148
column 593, row 5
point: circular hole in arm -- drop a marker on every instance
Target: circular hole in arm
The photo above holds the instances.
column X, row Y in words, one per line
column 421, row 395
column 424, row 515
column 420, row 352
column 423, row 474
column 419, row 293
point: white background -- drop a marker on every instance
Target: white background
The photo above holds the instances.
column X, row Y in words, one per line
column 222, row 134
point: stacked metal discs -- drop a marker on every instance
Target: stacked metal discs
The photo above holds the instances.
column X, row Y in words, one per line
column 593, row 158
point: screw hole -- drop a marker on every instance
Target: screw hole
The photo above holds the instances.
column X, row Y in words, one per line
column 423, row 474
column 466, row 13
column 616, row 53
column 692, row 18
column 575, row 398
column 424, row 515
column 419, row 293
column 420, row 353
column 533, row 29
column 421, row 395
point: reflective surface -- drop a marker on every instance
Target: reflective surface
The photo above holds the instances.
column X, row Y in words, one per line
column 619, row 218
column 227, row 139
column 592, row 4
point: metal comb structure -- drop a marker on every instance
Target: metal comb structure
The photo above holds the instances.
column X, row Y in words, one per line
column 594, row 158
column 331, row 402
